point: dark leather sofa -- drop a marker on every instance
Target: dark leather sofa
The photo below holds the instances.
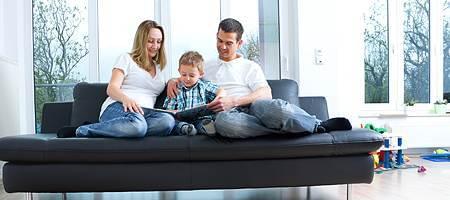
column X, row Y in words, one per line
column 44, row 163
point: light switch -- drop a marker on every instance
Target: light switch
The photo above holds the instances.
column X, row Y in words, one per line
column 318, row 56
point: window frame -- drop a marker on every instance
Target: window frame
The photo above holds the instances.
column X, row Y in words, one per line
column 396, row 59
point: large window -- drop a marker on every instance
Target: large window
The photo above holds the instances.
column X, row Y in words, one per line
column 117, row 24
column 261, row 32
column 60, row 51
column 403, row 52
column 190, row 30
column 80, row 40
column 446, row 47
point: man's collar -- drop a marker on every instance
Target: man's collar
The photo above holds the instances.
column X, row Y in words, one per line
column 239, row 57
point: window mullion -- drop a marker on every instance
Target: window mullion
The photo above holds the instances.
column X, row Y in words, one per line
column 94, row 75
column 436, row 51
column 162, row 14
column 225, row 7
column 396, row 67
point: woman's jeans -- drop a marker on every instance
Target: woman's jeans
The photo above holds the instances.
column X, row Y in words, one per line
column 264, row 117
column 115, row 122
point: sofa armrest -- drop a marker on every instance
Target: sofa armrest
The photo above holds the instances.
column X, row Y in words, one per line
column 315, row 106
column 55, row 115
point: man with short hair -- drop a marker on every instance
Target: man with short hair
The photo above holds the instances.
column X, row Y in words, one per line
column 249, row 110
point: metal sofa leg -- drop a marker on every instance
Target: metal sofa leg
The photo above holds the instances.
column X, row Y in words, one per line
column 349, row 191
column 308, row 192
column 29, row 196
column 64, row 196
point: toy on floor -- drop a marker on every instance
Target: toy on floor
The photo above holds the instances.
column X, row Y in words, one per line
column 392, row 143
column 440, row 151
column 390, row 155
column 438, row 155
column 421, row 169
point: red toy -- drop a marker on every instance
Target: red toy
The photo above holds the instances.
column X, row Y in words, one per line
column 421, row 169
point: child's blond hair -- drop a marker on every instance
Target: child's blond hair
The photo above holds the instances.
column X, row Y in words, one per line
column 192, row 58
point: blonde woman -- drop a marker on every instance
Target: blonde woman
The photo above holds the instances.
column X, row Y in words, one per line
column 135, row 83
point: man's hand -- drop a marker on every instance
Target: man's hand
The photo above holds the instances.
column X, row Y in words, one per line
column 172, row 88
column 222, row 104
column 129, row 105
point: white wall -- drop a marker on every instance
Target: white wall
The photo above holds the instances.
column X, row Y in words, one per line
column 337, row 30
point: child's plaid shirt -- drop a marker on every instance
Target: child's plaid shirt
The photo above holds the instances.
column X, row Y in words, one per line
column 201, row 93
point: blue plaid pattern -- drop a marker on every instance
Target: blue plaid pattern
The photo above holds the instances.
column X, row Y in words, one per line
column 201, row 93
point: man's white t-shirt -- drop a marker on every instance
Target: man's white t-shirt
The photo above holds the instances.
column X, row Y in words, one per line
column 239, row 77
column 138, row 84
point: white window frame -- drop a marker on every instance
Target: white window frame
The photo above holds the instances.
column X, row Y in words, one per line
column 94, row 66
column 396, row 59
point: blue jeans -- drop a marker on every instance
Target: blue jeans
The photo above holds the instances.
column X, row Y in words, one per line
column 264, row 117
column 115, row 122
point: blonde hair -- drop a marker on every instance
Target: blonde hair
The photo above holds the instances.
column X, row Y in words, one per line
column 139, row 51
column 192, row 58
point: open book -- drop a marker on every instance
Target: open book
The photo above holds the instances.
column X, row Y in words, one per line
column 188, row 114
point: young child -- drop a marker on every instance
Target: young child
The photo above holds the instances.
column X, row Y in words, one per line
column 193, row 92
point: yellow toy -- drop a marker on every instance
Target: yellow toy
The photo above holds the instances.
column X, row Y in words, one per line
column 376, row 160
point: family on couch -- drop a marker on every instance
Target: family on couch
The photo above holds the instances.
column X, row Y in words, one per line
column 245, row 108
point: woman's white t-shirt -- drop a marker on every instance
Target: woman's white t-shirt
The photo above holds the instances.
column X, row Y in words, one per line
column 138, row 84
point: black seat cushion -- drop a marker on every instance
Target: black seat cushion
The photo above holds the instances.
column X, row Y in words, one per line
column 48, row 148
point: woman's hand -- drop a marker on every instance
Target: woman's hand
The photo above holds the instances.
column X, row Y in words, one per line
column 129, row 105
column 116, row 93
column 172, row 89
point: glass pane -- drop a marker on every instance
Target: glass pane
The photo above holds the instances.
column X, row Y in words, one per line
column 117, row 24
column 416, row 29
column 60, row 50
column 261, row 33
column 376, row 55
column 193, row 27
column 446, row 45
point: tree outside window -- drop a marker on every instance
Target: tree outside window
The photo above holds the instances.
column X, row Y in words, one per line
column 417, row 50
column 60, row 46
column 376, row 60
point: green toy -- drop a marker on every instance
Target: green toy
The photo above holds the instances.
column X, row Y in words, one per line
column 379, row 130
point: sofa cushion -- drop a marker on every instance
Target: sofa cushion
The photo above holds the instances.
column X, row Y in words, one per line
column 48, row 148
column 87, row 101
column 284, row 89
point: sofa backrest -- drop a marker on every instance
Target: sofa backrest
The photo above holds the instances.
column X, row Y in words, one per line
column 87, row 101
column 284, row 89
column 89, row 97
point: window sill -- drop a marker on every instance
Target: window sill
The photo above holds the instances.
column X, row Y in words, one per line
column 401, row 115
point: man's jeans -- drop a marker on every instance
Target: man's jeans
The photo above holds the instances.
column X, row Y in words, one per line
column 115, row 122
column 264, row 117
